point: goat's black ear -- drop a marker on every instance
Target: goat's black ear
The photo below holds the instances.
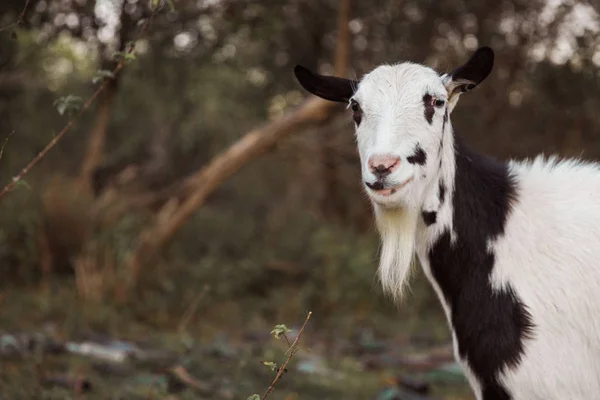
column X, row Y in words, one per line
column 468, row 75
column 327, row 87
column 473, row 72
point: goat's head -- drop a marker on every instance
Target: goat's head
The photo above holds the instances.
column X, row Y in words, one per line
column 400, row 112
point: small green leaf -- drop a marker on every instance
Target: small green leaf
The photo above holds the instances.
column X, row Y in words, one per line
column 24, row 183
column 68, row 104
column 155, row 3
column 280, row 330
column 253, row 397
column 270, row 364
column 102, row 74
column 61, row 108
column 171, row 5
column 123, row 55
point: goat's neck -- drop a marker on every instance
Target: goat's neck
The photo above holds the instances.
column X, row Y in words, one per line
column 476, row 194
column 438, row 195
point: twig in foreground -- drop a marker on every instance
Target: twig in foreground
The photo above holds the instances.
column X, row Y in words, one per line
column 16, row 179
column 4, row 144
column 292, row 350
column 189, row 312
column 19, row 19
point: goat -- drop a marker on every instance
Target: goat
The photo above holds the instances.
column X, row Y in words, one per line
column 510, row 248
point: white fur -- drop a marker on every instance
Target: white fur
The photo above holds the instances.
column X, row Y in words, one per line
column 549, row 253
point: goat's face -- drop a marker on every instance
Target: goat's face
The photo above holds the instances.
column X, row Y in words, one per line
column 400, row 113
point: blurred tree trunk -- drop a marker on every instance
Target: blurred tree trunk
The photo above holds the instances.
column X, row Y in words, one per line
column 94, row 153
column 332, row 204
column 97, row 138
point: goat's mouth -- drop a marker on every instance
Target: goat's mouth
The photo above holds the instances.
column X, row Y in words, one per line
column 382, row 189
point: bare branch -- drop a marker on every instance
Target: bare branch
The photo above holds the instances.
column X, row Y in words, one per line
column 175, row 213
column 342, row 47
column 191, row 309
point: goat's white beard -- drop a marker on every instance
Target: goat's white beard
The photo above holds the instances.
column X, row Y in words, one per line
column 397, row 228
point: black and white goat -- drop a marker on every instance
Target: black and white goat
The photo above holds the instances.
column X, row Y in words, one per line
column 511, row 249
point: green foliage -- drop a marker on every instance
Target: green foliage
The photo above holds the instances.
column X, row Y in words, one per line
column 68, row 104
column 280, row 330
column 253, row 397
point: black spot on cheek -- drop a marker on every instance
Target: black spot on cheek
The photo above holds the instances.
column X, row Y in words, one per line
column 429, row 110
column 419, row 156
column 443, row 130
column 429, row 217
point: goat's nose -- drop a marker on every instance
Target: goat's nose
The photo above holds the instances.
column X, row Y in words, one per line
column 383, row 164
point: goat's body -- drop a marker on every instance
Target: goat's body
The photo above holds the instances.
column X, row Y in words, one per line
column 551, row 256
column 523, row 301
column 512, row 250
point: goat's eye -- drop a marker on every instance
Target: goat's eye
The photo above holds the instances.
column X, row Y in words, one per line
column 437, row 102
column 356, row 112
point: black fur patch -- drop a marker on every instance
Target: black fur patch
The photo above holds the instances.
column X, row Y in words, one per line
column 377, row 185
column 419, row 156
column 495, row 392
column 490, row 325
column 442, row 192
column 429, row 109
column 429, row 217
column 327, row 87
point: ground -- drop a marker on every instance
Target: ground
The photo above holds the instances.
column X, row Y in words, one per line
column 41, row 332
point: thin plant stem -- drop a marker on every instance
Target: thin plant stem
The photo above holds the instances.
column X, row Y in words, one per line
column 292, row 350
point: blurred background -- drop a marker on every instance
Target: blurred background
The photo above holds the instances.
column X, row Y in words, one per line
column 204, row 197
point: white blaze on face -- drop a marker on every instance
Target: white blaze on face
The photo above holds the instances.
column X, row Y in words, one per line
column 394, row 122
